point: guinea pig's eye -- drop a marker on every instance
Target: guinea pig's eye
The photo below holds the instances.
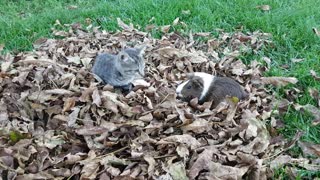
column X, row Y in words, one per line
column 189, row 87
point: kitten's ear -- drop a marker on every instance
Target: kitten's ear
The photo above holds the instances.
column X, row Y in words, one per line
column 141, row 49
column 123, row 56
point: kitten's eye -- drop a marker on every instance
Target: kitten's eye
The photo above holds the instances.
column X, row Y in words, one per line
column 189, row 87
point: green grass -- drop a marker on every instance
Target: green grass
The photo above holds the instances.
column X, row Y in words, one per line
column 289, row 21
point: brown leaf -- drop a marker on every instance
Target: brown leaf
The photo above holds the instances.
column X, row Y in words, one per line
column 314, row 75
column 146, row 118
column 21, row 78
column 264, row 7
column 39, row 175
column 1, row 47
column 69, row 103
column 72, row 7
column 204, row 162
column 203, row 34
column 63, row 172
column 279, row 81
column 186, row 139
column 175, row 22
column 183, row 151
column 314, row 111
column 96, row 98
column 178, row 171
column 73, row 117
column 309, row 148
column 125, row 26
column 316, row 32
column 282, row 105
column 295, row 60
column 86, row 62
column 61, row 33
column 89, row 170
column 140, row 82
column 152, row 164
column 280, row 161
column 86, row 94
column 88, row 131
column 314, row 93
column 186, row 12
column 198, row 126
column 267, row 60
column 58, row 92
column 75, row 59
column 165, row 29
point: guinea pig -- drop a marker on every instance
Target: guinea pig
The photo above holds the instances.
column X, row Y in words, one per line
column 207, row 87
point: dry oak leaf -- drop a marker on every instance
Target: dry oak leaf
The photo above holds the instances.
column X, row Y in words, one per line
column 146, row 118
column 72, row 7
column 198, row 126
column 1, row 47
column 74, row 59
column 316, row 32
column 165, row 29
column 125, row 26
column 311, row 109
column 314, row 93
column 314, row 75
column 178, row 171
column 205, row 162
column 96, row 97
column 175, row 22
column 264, row 7
column 69, row 103
column 186, row 12
column 88, row 131
column 280, row 161
column 183, row 151
column 72, row 119
column 279, row 81
column 203, row 34
column 309, row 148
column 58, row 92
column 186, row 139
column 296, row 60
column 141, row 82
column 39, row 175
column 193, row 56
column 152, row 164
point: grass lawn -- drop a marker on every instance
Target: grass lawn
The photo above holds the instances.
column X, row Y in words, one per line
column 289, row 21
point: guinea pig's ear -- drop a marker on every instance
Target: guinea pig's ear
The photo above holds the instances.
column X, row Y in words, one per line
column 197, row 82
column 141, row 49
column 123, row 56
column 190, row 75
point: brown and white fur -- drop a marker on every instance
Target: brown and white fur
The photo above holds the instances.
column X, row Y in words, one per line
column 207, row 87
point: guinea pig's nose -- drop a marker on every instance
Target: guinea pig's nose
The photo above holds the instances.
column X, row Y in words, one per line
column 179, row 95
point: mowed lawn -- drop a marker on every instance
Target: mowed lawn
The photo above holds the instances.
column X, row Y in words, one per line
column 289, row 21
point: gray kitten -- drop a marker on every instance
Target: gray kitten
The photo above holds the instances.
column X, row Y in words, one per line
column 121, row 69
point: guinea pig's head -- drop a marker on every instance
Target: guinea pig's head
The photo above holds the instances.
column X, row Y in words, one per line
column 191, row 88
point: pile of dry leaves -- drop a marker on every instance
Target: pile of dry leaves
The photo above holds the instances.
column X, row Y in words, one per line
column 58, row 122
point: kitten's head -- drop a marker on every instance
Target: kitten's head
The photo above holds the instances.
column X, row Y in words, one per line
column 132, row 61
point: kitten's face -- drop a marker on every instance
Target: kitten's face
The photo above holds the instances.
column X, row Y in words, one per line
column 132, row 61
